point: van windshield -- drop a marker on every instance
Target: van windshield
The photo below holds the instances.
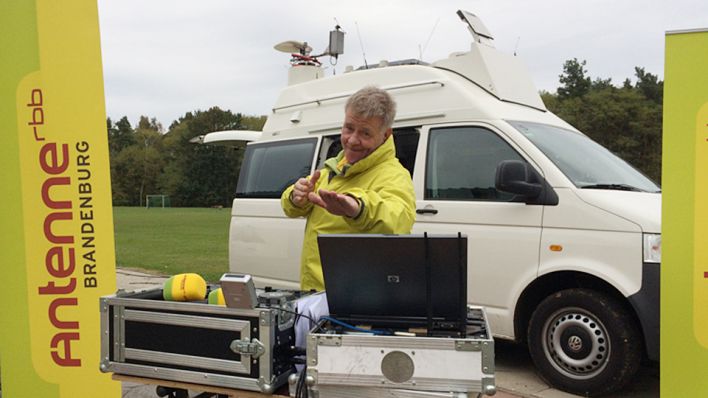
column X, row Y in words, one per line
column 586, row 163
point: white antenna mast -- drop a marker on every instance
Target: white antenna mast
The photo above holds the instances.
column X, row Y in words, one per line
column 366, row 66
column 429, row 37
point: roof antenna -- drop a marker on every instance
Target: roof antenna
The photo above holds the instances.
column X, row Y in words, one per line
column 429, row 37
column 517, row 45
column 366, row 66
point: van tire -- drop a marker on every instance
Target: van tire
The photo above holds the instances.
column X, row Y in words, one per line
column 584, row 342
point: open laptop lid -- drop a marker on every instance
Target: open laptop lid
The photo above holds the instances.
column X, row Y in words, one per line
column 382, row 279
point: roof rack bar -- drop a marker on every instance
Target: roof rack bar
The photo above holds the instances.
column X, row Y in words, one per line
column 390, row 88
column 402, row 119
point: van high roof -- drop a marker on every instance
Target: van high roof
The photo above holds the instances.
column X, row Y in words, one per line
column 480, row 84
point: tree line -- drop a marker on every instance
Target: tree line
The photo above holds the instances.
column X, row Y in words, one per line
column 146, row 160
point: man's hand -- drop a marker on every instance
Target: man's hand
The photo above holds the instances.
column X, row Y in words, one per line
column 335, row 203
column 303, row 187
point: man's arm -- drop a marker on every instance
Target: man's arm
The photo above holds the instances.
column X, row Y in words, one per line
column 388, row 206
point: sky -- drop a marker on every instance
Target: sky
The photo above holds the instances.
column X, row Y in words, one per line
column 163, row 58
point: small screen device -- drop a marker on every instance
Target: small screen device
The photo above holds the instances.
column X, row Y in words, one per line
column 239, row 291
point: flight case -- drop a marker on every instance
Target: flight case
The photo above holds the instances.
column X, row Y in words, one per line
column 337, row 360
column 374, row 392
column 194, row 342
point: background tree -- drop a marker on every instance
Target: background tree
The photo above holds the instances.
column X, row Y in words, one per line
column 254, row 123
column 574, row 83
column 649, row 85
column 148, row 135
column 144, row 161
column 136, row 160
column 146, row 123
column 625, row 120
column 202, row 175
column 120, row 135
column 138, row 169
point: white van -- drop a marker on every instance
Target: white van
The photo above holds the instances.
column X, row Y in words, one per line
column 564, row 237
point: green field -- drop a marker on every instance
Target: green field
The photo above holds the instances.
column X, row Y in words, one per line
column 173, row 240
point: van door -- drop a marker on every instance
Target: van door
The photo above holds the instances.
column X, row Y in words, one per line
column 455, row 193
column 264, row 242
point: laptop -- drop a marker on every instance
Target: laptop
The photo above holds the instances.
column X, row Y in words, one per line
column 397, row 281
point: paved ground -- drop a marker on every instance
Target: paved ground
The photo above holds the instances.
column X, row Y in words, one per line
column 514, row 371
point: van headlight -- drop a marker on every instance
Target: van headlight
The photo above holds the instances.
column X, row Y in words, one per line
column 652, row 248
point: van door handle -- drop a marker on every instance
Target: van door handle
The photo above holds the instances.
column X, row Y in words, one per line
column 427, row 211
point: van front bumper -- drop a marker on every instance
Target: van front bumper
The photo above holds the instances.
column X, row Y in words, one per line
column 646, row 305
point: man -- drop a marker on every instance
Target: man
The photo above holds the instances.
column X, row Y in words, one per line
column 364, row 189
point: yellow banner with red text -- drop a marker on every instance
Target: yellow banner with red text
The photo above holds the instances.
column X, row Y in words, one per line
column 59, row 229
column 684, row 274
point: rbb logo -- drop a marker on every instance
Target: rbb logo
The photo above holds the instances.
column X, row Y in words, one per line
column 36, row 104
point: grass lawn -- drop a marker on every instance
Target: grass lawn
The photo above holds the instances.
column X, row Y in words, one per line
column 173, row 240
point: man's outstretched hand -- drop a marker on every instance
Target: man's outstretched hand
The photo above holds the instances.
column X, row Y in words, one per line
column 335, row 203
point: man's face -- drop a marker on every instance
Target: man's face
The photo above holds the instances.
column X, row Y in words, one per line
column 361, row 136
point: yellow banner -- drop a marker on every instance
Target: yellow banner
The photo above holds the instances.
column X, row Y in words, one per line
column 684, row 274
column 57, row 230
column 700, row 249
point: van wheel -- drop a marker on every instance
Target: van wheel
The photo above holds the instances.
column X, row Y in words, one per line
column 584, row 342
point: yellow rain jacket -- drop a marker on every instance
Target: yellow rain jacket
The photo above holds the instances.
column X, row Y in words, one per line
column 384, row 190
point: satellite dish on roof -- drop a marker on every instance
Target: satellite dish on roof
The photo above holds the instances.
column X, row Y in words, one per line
column 480, row 33
column 292, row 46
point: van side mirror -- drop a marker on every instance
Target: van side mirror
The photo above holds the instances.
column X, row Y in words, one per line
column 519, row 178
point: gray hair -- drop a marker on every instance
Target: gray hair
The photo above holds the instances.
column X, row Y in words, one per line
column 372, row 101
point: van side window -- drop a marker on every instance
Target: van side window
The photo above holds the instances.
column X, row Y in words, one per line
column 405, row 139
column 331, row 145
column 269, row 168
column 462, row 163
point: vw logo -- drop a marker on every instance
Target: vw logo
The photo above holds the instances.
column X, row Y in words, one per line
column 575, row 343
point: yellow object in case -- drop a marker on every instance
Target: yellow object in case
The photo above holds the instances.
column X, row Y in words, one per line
column 216, row 297
column 184, row 287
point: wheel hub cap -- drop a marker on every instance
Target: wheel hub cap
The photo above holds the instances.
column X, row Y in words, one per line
column 576, row 343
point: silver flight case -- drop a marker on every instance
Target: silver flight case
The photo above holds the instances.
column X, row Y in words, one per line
column 194, row 342
column 337, row 360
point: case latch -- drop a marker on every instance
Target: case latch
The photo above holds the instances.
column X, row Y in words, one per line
column 467, row 345
column 254, row 348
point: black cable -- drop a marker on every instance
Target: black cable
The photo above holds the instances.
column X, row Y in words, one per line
column 298, row 315
column 298, row 387
column 338, row 322
column 301, row 388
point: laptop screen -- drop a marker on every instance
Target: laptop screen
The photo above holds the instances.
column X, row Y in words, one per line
column 396, row 280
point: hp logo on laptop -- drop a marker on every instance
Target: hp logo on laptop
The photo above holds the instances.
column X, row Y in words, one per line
column 393, row 279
